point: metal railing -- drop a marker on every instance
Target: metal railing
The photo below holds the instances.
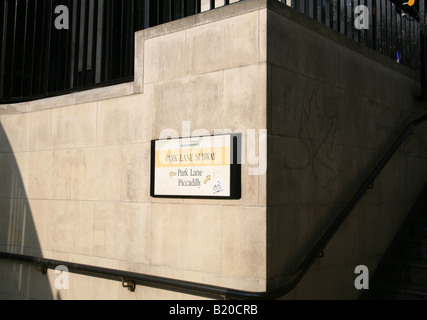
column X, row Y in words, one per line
column 131, row 279
column 393, row 27
column 37, row 60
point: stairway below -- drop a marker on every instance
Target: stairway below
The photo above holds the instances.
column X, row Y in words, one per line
column 402, row 273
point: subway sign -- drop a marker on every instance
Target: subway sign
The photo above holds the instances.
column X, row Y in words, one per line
column 196, row 167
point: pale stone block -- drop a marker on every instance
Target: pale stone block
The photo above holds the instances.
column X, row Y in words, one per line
column 16, row 134
column 205, row 47
column 71, row 227
column 245, row 97
column 164, row 57
column 92, row 288
column 262, row 20
column 40, row 175
column 41, row 130
column 201, row 238
column 109, row 173
column 49, row 103
column 166, row 220
column 138, row 83
column 196, row 100
column 140, row 116
column 119, row 231
column 140, row 213
column 226, row 281
column 14, row 108
column 113, row 121
column 151, row 269
column 244, row 242
column 50, row 174
column 83, row 174
column 125, row 120
column 223, row 44
column 136, row 172
column 74, row 126
column 95, row 260
column 194, row 237
column 103, row 93
column 96, row 173
column 242, row 40
column 60, row 179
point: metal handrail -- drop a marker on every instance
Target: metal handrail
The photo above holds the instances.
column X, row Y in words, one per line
column 130, row 279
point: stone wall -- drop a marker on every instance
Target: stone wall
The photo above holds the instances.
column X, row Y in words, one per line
column 315, row 110
column 83, row 162
column 334, row 108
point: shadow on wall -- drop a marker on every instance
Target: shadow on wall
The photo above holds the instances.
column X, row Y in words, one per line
column 18, row 232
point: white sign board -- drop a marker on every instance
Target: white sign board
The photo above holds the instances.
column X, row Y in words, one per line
column 196, row 167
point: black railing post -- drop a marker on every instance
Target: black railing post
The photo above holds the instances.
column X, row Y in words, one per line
column 423, row 49
column 3, row 46
column 147, row 14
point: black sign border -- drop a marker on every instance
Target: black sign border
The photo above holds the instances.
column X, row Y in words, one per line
column 235, row 170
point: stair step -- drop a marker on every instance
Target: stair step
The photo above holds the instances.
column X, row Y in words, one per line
column 419, row 231
column 410, row 271
column 412, row 248
column 417, row 240
column 402, row 273
column 398, row 291
column 409, row 262
column 416, row 250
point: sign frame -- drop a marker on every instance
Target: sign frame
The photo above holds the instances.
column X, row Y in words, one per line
column 235, row 177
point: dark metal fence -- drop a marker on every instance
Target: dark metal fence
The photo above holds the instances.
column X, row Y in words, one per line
column 37, row 60
column 394, row 27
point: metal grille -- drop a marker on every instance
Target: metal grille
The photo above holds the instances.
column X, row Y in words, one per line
column 37, row 60
column 394, row 28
